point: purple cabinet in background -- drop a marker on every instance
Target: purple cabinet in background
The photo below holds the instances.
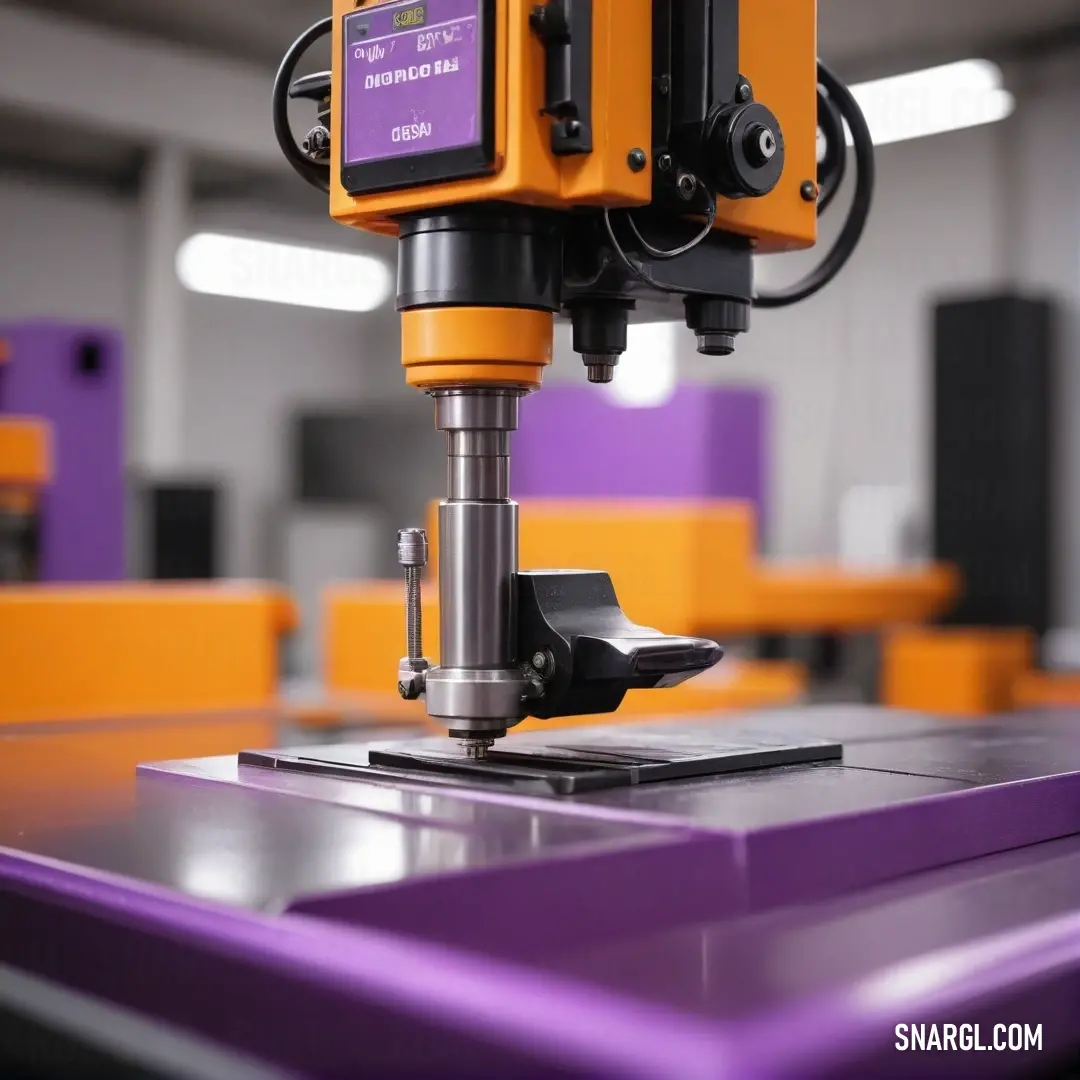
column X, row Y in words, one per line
column 706, row 442
column 73, row 377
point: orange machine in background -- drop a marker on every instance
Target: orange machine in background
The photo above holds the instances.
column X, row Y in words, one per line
column 688, row 566
column 26, row 466
column 1044, row 689
column 25, row 453
column 88, row 652
column 96, row 679
column 955, row 671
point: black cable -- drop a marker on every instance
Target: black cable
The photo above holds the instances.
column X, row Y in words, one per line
column 674, row 253
column 629, row 264
column 314, row 172
column 833, row 166
column 844, row 101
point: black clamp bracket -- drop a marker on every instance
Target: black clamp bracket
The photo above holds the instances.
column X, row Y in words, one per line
column 588, row 653
column 566, row 29
column 317, row 88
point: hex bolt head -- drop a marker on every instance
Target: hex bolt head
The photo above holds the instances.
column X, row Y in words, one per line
column 543, row 663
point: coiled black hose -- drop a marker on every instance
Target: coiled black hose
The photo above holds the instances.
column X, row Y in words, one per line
column 840, row 98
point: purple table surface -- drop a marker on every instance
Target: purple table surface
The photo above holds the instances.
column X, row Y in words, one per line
column 773, row 924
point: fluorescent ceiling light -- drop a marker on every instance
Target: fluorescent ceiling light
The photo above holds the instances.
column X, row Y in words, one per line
column 948, row 98
column 278, row 273
column 647, row 373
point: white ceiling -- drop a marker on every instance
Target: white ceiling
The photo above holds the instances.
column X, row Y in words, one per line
column 858, row 34
column 892, row 34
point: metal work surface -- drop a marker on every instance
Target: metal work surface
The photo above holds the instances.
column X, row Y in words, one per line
column 566, row 767
column 777, row 922
column 911, row 794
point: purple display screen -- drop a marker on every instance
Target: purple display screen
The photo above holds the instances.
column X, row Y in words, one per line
column 413, row 79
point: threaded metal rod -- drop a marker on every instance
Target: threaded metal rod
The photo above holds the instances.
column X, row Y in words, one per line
column 414, row 626
column 412, row 555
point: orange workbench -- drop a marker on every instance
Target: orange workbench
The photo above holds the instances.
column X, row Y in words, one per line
column 137, row 650
column 1045, row 689
column 954, row 671
column 809, row 598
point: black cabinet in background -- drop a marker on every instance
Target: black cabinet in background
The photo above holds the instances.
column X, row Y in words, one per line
column 994, row 437
column 184, row 527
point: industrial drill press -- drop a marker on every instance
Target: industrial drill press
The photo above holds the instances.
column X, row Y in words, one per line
column 597, row 160
column 617, row 905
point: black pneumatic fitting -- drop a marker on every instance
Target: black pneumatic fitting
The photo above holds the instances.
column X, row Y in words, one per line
column 600, row 328
column 717, row 321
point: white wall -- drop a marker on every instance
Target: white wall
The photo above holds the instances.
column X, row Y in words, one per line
column 850, row 368
column 65, row 252
column 73, row 253
column 1040, row 155
column 250, row 365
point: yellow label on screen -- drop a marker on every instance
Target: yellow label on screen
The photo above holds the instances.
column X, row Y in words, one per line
column 410, row 17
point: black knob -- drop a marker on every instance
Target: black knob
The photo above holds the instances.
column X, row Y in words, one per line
column 600, row 329
column 744, row 146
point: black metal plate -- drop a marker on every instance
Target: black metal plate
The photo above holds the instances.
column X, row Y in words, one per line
column 570, row 770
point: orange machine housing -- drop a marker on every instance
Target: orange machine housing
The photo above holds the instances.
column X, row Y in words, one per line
column 782, row 68
column 464, row 345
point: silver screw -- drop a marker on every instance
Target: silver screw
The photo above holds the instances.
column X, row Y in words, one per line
column 413, row 556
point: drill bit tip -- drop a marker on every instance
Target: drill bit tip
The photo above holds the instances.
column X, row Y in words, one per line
column 477, row 749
